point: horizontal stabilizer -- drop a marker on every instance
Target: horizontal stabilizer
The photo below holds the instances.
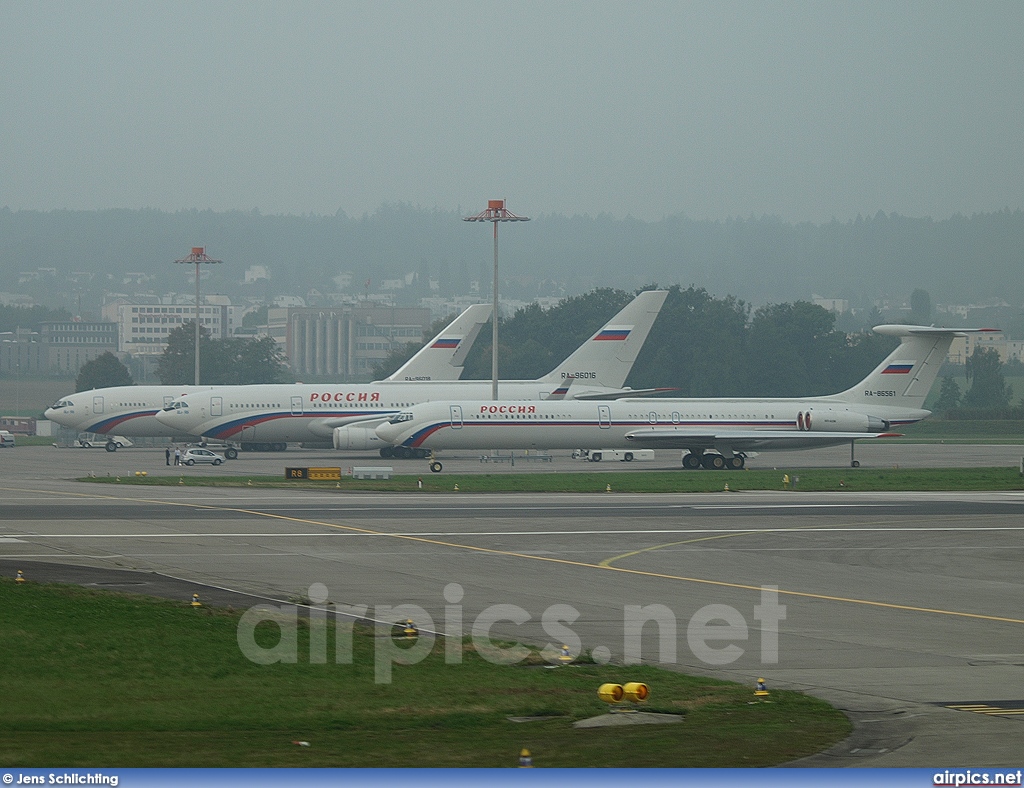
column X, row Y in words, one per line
column 909, row 331
column 624, row 394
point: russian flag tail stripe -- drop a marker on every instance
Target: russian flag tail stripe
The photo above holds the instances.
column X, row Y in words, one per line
column 612, row 335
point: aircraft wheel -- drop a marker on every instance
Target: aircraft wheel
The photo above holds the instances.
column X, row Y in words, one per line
column 595, row 456
column 231, row 454
column 435, row 467
column 387, row 452
column 691, row 461
column 735, row 463
column 111, row 446
column 713, row 462
column 628, row 456
column 855, row 463
column 403, row 452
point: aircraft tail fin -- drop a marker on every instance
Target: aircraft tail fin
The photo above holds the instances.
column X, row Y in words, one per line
column 907, row 374
column 606, row 358
column 443, row 357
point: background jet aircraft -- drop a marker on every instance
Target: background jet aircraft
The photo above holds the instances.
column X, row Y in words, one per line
column 715, row 433
column 131, row 410
column 272, row 415
column 444, row 357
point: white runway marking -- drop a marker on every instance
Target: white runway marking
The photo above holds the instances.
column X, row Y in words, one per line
column 610, row 532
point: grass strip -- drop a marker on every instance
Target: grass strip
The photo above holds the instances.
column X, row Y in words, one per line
column 104, row 679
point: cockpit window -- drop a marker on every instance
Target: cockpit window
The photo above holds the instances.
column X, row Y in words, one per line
column 64, row 403
column 398, row 418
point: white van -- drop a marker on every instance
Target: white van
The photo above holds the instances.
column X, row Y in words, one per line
column 622, row 455
column 6, row 439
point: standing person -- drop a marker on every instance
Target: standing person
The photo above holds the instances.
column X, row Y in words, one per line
column 167, row 455
column 177, row 456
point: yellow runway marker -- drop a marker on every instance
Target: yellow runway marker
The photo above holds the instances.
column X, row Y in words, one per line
column 562, row 561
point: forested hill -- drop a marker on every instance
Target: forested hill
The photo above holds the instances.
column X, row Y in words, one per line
column 957, row 260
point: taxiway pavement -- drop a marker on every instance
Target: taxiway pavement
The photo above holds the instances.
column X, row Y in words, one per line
column 904, row 609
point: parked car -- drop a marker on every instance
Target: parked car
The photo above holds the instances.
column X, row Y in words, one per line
column 110, row 442
column 6, row 439
column 193, row 456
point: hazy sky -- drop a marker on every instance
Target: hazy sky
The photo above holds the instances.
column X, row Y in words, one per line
column 806, row 111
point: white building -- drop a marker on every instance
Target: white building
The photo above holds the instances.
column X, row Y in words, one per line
column 963, row 347
column 142, row 328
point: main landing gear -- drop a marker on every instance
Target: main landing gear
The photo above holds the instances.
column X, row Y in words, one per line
column 402, row 453
column 713, row 461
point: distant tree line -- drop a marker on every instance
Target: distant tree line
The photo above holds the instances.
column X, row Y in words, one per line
column 962, row 259
column 29, row 317
column 222, row 362
column 989, row 396
column 703, row 346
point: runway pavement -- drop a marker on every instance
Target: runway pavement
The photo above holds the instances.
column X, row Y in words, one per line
column 895, row 607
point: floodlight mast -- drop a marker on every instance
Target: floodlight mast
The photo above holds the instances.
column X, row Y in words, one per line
column 495, row 213
column 198, row 256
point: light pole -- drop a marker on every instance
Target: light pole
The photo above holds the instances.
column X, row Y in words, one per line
column 198, row 256
column 495, row 213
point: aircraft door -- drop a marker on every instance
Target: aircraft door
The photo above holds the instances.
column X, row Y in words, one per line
column 97, row 404
column 456, row 414
column 297, row 405
column 604, row 417
column 216, row 406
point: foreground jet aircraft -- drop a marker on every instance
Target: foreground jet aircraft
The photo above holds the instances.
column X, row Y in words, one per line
column 715, row 433
column 131, row 410
column 272, row 415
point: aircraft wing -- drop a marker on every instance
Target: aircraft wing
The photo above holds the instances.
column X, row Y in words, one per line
column 906, row 331
column 743, row 440
column 623, row 394
column 327, row 426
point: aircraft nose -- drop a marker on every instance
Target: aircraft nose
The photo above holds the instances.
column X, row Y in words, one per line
column 170, row 418
column 56, row 416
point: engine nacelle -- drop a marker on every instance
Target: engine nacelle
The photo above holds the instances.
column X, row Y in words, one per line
column 357, row 438
column 826, row 420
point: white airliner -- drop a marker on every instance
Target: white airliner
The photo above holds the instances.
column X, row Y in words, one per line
column 715, row 433
column 270, row 416
column 131, row 410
